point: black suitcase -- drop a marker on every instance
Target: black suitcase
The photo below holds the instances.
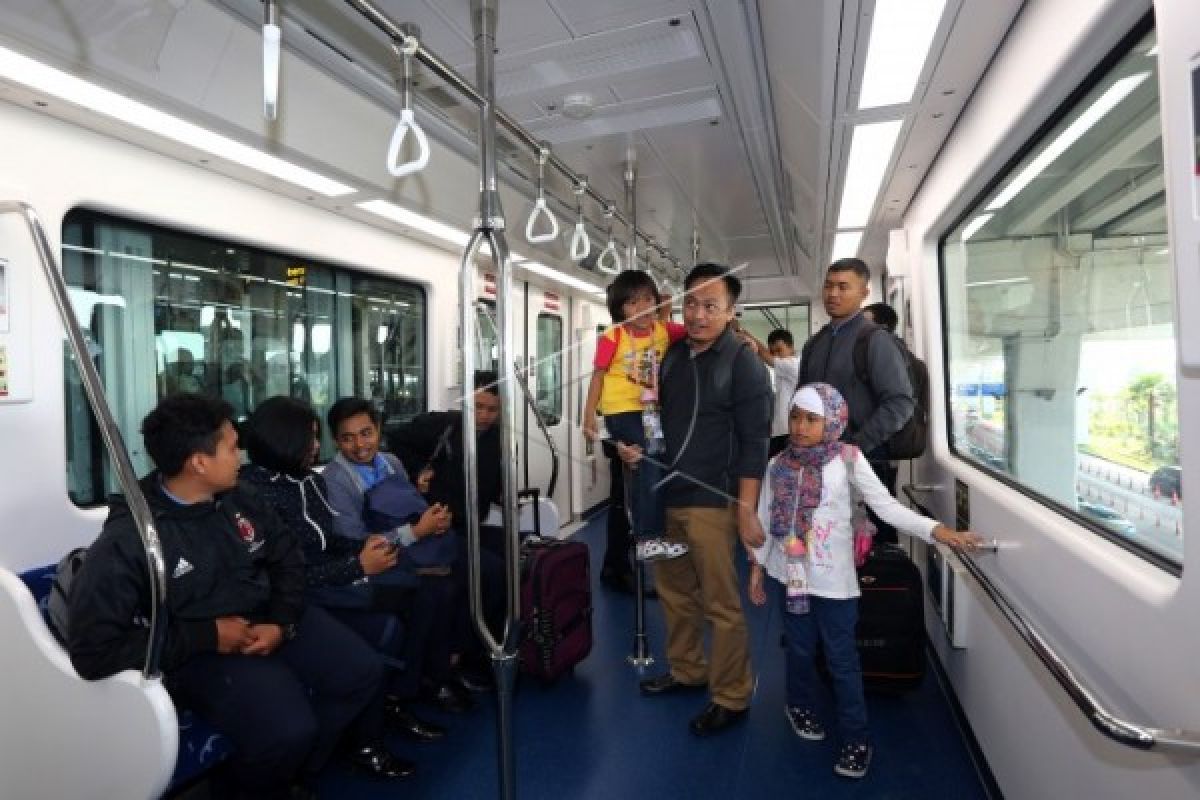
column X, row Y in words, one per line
column 891, row 621
column 556, row 606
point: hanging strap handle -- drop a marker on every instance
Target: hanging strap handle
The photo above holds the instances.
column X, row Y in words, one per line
column 581, row 245
column 407, row 121
column 539, row 206
column 609, row 260
column 272, row 36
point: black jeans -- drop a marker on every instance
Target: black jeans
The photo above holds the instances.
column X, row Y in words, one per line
column 284, row 712
column 620, row 537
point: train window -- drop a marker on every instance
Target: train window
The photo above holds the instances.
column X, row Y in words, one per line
column 761, row 320
column 487, row 338
column 1059, row 309
column 166, row 311
column 547, row 374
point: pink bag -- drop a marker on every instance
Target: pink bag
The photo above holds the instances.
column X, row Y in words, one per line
column 864, row 529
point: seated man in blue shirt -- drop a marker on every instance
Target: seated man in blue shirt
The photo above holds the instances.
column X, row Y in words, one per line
column 358, row 467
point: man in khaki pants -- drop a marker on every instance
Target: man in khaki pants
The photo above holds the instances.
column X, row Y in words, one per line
column 716, row 408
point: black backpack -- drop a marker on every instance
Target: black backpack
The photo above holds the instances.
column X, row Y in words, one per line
column 60, row 591
column 911, row 439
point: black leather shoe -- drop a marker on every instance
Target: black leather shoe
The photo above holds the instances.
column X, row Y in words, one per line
column 406, row 722
column 446, row 698
column 380, row 763
column 714, row 719
column 666, row 684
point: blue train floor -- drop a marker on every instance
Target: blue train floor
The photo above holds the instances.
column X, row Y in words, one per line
column 592, row 736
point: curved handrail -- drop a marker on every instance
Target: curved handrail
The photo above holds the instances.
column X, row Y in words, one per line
column 109, row 432
column 407, row 121
column 1139, row 737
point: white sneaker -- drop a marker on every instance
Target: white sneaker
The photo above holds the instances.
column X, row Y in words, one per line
column 657, row 548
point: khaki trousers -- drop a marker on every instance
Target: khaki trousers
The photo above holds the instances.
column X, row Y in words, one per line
column 700, row 587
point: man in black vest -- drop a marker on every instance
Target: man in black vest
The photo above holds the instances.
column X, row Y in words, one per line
column 882, row 405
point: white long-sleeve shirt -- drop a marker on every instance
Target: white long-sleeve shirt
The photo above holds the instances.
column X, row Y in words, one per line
column 786, row 371
column 829, row 560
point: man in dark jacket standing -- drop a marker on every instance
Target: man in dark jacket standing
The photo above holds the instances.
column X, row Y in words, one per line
column 716, row 411
column 281, row 681
column 882, row 405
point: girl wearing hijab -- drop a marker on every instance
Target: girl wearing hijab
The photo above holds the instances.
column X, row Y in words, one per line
column 807, row 507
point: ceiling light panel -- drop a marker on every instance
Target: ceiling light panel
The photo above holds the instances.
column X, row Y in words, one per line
column 870, row 153
column 412, row 219
column 845, row 244
column 901, row 33
column 39, row 77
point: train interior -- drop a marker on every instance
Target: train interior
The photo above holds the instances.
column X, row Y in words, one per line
column 1021, row 176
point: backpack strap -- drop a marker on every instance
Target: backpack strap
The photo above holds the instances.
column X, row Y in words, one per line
column 862, row 340
column 805, row 351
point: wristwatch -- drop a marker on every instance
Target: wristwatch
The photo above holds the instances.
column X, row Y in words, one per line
column 289, row 631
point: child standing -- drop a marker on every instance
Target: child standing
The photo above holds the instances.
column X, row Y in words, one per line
column 624, row 387
column 806, row 507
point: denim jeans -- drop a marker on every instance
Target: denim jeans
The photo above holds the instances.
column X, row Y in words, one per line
column 833, row 621
column 646, row 502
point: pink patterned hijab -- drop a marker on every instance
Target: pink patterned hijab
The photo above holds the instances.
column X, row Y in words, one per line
column 796, row 475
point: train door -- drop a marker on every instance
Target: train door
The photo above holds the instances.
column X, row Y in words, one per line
column 546, row 313
column 589, row 465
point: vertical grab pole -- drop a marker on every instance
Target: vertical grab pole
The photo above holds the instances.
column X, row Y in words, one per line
column 640, row 658
column 489, row 227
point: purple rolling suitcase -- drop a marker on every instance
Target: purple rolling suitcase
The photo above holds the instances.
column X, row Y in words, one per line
column 556, row 606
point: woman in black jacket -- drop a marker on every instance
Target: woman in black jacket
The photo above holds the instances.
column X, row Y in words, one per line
column 366, row 584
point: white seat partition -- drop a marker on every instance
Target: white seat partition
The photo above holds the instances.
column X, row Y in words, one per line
column 64, row 737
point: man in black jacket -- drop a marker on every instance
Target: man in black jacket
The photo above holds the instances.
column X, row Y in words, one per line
column 433, row 441
column 281, row 680
column 883, row 404
column 716, row 414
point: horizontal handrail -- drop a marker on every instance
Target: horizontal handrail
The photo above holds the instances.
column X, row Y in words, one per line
column 1139, row 737
column 459, row 83
column 109, row 432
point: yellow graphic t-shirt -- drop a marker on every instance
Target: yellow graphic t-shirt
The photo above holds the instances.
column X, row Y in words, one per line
column 631, row 363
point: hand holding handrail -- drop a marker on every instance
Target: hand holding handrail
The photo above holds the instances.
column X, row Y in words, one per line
column 581, row 245
column 539, row 206
column 1139, row 737
column 609, row 260
column 405, row 50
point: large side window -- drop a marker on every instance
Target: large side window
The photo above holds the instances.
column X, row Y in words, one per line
column 166, row 311
column 1059, row 317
